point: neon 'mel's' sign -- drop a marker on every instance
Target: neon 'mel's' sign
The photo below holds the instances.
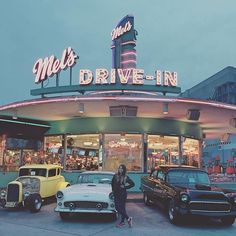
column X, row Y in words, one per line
column 120, row 30
column 49, row 66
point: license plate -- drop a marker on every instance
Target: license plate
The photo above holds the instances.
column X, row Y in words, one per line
column 10, row 204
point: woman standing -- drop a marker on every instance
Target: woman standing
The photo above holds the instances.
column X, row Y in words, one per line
column 120, row 183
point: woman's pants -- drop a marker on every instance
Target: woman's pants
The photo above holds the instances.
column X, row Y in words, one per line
column 120, row 201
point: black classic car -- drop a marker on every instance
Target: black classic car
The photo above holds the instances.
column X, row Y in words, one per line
column 185, row 190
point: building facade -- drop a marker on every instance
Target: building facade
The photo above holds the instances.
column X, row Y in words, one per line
column 219, row 154
column 117, row 117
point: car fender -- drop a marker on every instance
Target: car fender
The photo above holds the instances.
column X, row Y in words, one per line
column 62, row 185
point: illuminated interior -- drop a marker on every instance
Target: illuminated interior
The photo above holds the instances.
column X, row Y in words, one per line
column 100, row 152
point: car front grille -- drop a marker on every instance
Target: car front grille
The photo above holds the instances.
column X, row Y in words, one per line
column 86, row 204
column 210, row 206
column 211, row 196
column 13, row 193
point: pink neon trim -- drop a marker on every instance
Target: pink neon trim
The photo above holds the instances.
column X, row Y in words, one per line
column 128, row 42
column 128, row 61
column 116, row 98
column 123, row 91
column 128, row 53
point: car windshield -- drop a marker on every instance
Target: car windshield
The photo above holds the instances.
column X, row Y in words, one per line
column 33, row 172
column 95, row 178
column 187, row 178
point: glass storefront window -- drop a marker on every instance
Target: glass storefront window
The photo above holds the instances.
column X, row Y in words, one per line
column 32, row 157
column 53, row 150
column 190, row 152
column 16, row 152
column 83, row 152
column 12, row 160
column 162, row 150
column 2, row 148
column 123, row 149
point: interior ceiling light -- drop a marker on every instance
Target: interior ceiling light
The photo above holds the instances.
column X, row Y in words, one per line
column 81, row 108
column 87, row 143
column 165, row 108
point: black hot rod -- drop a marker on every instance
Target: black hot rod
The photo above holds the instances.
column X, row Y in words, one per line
column 185, row 190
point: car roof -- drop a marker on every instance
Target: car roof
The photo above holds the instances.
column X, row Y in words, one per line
column 40, row 166
column 179, row 167
column 98, row 172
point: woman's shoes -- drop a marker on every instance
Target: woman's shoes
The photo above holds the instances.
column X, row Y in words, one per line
column 120, row 225
column 130, row 221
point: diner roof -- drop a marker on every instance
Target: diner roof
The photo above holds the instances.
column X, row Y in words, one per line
column 216, row 119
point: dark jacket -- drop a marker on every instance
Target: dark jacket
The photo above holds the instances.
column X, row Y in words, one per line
column 118, row 187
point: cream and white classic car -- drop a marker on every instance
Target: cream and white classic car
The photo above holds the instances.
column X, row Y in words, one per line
column 91, row 194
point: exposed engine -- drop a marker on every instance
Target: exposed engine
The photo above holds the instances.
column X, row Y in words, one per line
column 29, row 184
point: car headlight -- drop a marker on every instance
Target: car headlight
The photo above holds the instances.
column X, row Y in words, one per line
column 3, row 194
column 231, row 196
column 111, row 196
column 26, row 194
column 184, row 197
column 59, row 195
column 235, row 199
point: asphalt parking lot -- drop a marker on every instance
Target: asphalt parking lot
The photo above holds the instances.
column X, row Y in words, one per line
column 147, row 221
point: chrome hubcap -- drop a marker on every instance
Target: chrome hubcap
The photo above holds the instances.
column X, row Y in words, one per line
column 37, row 204
column 171, row 213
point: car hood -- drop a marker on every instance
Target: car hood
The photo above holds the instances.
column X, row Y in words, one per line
column 205, row 192
column 84, row 191
column 203, row 187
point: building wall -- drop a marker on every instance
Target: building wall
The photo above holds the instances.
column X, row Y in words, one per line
column 206, row 88
column 219, row 87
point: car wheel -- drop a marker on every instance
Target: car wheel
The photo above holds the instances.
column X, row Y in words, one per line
column 228, row 220
column 64, row 215
column 34, row 202
column 146, row 199
column 2, row 202
column 173, row 216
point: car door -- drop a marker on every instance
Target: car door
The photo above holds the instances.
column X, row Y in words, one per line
column 52, row 181
column 168, row 191
column 158, row 186
column 148, row 183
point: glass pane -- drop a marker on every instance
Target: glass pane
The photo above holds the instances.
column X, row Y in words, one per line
column 83, row 152
column 123, row 149
column 12, row 160
column 162, row 150
column 54, row 149
column 190, row 152
column 2, row 148
column 32, row 157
